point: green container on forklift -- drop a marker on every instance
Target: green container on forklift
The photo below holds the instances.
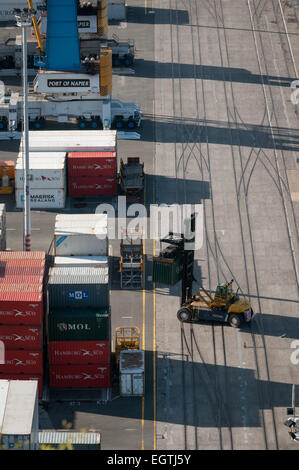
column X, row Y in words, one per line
column 167, row 271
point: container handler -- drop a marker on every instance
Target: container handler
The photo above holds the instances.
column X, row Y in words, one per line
column 178, row 264
column 131, row 179
column 225, row 306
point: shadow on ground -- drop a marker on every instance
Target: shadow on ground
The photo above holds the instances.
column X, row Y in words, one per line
column 152, row 69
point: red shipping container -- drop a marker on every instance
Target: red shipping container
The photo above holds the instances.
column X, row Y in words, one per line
column 21, row 287
column 22, row 279
column 92, row 186
column 21, row 337
column 92, row 164
column 21, row 308
column 21, row 268
column 22, row 255
column 22, row 362
column 80, row 376
column 13, row 271
column 79, row 352
column 38, row 377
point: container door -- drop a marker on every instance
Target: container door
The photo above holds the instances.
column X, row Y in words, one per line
column 126, row 384
column 138, row 384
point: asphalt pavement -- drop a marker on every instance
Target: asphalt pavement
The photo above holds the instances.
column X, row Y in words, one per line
column 219, row 130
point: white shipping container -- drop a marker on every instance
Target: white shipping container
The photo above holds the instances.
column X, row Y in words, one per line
column 67, row 244
column 19, row 414
column 131, row 368
column 45, row 171
column 80, row 261
column 72, row 141
column 81, row 235
column 87, row 223
column 42, row 198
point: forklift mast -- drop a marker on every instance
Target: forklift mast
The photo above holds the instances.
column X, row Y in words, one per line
column 188, row 260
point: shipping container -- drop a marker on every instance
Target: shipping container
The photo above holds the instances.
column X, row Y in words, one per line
column 47, row 170
column 92, row 186
column 79, row 352
column 131, row 373
column 21, row 287
column 22, row 278
column 78, row 287
column 24, row 378
column 81, row 234
column 167, row 271
column 72, row 141
column 77, row 440
column 79, row 325
column 92, row 164
column 18, row 415
column 22, row 362
column 80, row 261
column 22, row 255
column 21, row 268
column 42, row 198
column 21, row 308
column 79, row 376
column 21, row 336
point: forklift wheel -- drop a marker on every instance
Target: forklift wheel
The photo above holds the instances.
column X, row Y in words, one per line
column 184, row 314
column 235, row 320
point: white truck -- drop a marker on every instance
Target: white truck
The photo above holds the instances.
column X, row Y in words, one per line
column 94, row 113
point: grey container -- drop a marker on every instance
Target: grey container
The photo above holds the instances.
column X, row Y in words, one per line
column 18, row 414
column 77, row 440
column 78, row 287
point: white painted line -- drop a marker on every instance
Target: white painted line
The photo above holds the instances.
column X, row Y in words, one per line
column 274, row 148
column 126, row 317
column 287, row 33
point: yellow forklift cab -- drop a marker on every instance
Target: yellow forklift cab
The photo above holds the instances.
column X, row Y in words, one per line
column 223, row 291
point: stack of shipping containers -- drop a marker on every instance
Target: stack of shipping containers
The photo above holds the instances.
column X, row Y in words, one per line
column 79, row 312
column 21, row 315
column 92, row 173
column 47, row 180
column 91, row 166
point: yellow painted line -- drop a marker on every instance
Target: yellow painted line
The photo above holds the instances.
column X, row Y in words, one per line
column 154, row 356
column 143, row 326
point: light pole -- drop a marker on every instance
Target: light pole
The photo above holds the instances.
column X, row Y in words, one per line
column 24, row 20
